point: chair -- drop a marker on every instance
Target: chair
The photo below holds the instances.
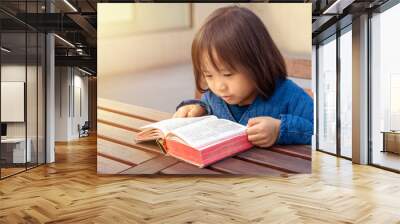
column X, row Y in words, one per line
column 84, row 130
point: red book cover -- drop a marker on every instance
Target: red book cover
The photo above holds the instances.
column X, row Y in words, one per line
column 208, row 154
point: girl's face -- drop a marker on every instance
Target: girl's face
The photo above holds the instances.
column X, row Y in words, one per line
column 232, row 87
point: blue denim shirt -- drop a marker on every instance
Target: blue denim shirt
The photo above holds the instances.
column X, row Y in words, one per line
column 289, row 103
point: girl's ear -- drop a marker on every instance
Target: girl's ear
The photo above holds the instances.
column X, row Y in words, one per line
column 203, row 83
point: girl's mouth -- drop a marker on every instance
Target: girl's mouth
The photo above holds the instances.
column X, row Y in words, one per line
column 226, row 97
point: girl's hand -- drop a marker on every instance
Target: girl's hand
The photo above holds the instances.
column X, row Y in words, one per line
column 263, row 131
column 191, row 110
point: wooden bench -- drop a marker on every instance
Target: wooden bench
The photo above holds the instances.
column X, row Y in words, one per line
column 117, row 154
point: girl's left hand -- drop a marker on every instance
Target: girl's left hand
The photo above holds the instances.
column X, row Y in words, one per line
column 263, row 131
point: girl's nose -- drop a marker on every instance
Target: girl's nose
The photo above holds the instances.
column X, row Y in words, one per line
column 222, row 86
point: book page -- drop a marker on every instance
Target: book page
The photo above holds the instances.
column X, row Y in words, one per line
column 170, row 124
column 208, row 131
column 148, row 135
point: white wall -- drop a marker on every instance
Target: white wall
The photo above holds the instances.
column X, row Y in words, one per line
column 61, row 103
column 289, row 25
column 132, row 53
column 67, row 80
column 33, row 127
column 161, row 89
column 128, row 54
column 79, row 117
column 17, row 73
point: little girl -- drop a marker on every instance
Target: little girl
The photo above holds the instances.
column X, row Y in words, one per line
column 244, row 73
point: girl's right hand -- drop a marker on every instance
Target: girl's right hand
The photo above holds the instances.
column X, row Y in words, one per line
column 191, row 110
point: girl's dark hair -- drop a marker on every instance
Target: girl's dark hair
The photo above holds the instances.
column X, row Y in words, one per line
column 237, row 38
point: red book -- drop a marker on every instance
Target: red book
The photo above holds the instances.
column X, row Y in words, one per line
column 200, row 141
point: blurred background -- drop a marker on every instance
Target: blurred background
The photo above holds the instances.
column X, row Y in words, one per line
column 144, row 50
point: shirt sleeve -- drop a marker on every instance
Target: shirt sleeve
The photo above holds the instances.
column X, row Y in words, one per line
column 204, row 102
column 205, row 98
column 298, row 124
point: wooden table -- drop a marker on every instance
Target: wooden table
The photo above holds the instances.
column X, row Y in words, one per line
column 117, row 153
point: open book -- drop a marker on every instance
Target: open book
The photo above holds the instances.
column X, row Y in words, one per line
column 200, row 140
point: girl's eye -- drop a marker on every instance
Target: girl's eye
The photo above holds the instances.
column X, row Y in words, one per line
column 228, row 74
column 207, row 76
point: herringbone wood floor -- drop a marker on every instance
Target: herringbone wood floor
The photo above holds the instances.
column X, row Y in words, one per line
column 70, row 191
